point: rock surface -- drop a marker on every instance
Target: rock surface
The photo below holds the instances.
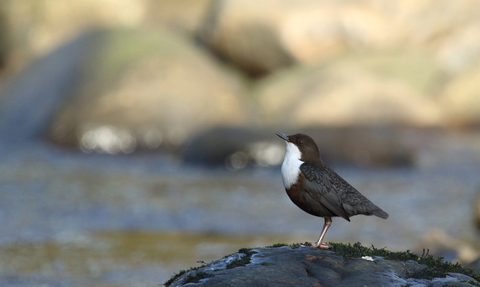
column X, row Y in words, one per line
column 307, row 266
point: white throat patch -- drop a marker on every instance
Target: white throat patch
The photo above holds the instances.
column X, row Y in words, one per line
column 291, row 165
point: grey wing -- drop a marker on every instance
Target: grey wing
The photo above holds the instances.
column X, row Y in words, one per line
column 352, row 200
column 321, row 188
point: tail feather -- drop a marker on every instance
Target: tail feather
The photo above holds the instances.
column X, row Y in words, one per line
column 380, row 213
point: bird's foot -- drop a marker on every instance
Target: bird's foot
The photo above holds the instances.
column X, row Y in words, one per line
column 321, row 245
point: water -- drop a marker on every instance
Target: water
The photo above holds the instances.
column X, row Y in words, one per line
column 74, row 219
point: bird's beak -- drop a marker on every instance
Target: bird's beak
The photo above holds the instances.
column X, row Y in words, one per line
column 283, row 136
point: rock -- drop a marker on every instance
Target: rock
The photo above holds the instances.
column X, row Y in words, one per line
column 5, row 41
column 477, row 212
column 234, row 148
column 242, row 33
column 262, row 36
column 451, row 248
column 180, row 16
column 372, row 146
column 459, row 51
column 425, row 22
column 237, row 148
column 417, row 69
column 307, row 266
column 345, row 93
column 147, row 90
column 475, row 265
column 460, row 99
column 37, row 27
column 40, row 89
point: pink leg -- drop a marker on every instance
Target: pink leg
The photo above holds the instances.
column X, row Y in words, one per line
column 328, row 222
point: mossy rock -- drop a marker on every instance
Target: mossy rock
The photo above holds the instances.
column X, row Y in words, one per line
column 343, row 265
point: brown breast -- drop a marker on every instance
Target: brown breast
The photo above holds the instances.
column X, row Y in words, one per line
column 305, row 202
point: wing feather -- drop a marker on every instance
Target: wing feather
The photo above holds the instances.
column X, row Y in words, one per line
column 322, row 189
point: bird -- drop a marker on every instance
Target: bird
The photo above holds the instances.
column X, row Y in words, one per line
column 317, row 189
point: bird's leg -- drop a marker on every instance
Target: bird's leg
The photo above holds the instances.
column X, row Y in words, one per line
column 328, row 222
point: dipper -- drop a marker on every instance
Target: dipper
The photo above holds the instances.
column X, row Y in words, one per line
column 317, row 189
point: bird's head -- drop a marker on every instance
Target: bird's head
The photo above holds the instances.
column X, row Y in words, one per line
column 301, row 146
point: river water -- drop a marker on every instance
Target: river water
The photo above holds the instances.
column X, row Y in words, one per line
column 74, row 219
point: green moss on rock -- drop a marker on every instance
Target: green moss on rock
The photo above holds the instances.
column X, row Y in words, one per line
column 436, row 267
column 242, row 261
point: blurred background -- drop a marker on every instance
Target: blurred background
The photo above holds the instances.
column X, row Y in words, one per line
column 137, row 138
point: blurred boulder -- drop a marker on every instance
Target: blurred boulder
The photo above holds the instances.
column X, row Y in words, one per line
column 36, row 27
column 145, row 90
column 181, row 16
column 459, row 51
column 236, row 148
column 265, row 35
column 440, row 243
column 477, row 212
column 352, row 91
column 368, row 146
column 29, row 100
column 244, row 33
column 5, row 41
column 475, row 265
column 426, row 21
column 417, row 69
column 461, row 99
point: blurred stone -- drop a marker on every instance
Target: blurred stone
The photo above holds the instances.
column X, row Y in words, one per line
column 475, row 265
column 236, row 148
column 5, row 41
column 372, row 146
column 244, row 34
column 452, row 249
column 29, row 100
column 39, row 26
column 36, row 27
column 461, row 99
column 261, row 36
column 264, row 35
column 477, row 212
column 423, row 22
column 460, row 50
column 148, row 89
column 349, row 92
column 182, row 16
column 418, row 69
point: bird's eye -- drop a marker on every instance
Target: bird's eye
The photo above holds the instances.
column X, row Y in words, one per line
column 300, row 141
